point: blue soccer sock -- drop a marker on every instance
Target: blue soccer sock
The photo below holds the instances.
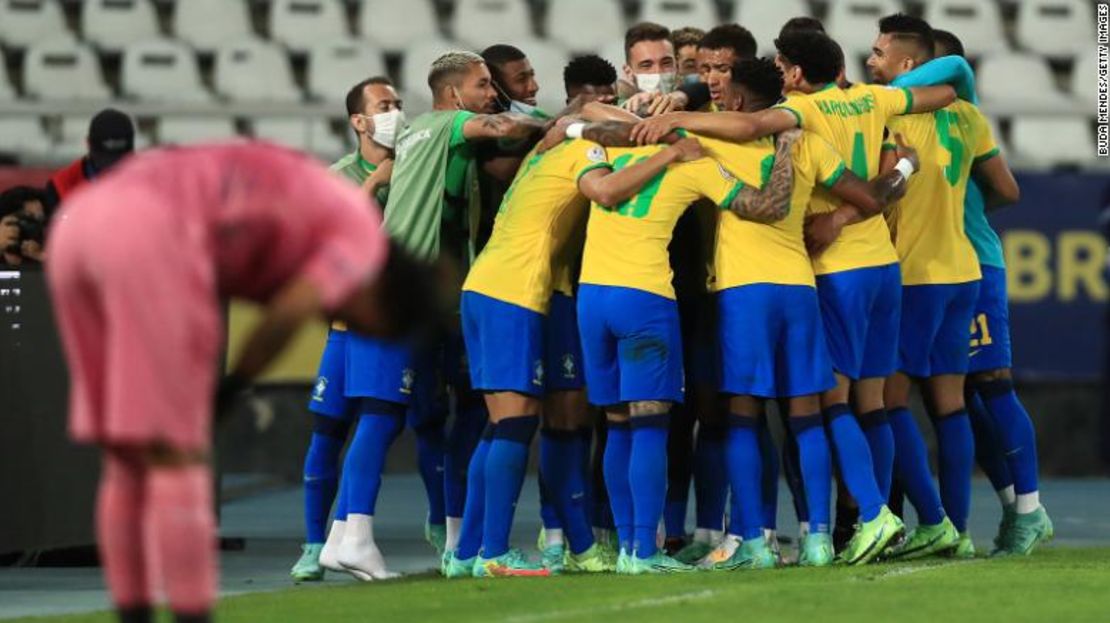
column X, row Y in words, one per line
column 792, row 472
column 988, row 445
column 911, row 463
column 745, row 474
column 470, row 533
column 618, row 453
column 561, row 469
column 816, row 464
column 854, row 459
column 430, row 459
column 647, row 478
column 680, row 456
column 710, row 477
column 321, row 475
column 377, row 428
column 880, row 440
column 341, row 500
column 505, row 466
column 470, row 419
column 956, row 450
column 549, row 517
column 1019, row 439
column 585, row 444
column 770, row 455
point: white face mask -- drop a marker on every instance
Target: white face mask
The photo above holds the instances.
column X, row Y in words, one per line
column 523, row 108
column 387, row 125
column 655, row 83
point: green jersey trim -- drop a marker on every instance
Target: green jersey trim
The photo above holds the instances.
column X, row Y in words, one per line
column 835, row 177
column 593, row 167
column 987, row 156
column 909, row 100
column 731, row 196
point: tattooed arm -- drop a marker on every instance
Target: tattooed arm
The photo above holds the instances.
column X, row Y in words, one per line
column 772, row 202
column 508, row 125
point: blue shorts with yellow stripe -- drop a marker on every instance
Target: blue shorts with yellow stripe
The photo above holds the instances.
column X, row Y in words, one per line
column 935, row 321
column 562, row 346
column 860, row 309
column 504, row 345
column 327, row 397
column 772, row 341
column 990, row 327
column 631, row 345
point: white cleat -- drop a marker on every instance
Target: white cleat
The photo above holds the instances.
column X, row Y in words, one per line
column 724, row 550
column 329, row 555
column 359, row 554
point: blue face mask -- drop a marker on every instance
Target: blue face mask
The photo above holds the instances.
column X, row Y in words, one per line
column 691, row 79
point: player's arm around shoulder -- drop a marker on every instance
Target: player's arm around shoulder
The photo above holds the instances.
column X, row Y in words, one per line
column 928, row 99
column 738, row 127
column 508, row 125
column 771, row 203
column 608, row 188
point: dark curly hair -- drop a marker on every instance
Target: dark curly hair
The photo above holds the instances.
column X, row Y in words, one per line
column 734, row 36
column 819, row 56
column 591, row 70
column 761, row 78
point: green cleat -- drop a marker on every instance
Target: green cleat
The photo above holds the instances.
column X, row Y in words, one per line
column 1028, row 531
column 693, row 552
column 308, row 567
column 816, row 550
column 965, row 547
column 512, row 563
column 624, row 563
column 871, row 538
column 436, row 536
column 553, row 557
column 926, row 541
column 593, row 560
column 752, row 554
column 451, row 567
column 659, row 564
column 1005, row 527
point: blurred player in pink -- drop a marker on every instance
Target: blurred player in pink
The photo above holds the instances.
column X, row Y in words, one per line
column 139, row 263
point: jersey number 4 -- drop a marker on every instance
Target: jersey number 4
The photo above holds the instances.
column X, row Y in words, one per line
column 639, row 204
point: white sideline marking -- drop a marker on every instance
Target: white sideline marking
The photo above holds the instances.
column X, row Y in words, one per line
column 640, row 603
column 904, row 571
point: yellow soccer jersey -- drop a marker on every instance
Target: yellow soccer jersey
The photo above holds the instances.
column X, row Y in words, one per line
column 852, row 121
column 749, row 252
column 928, row 223
column 626, row 244
column 536, row 217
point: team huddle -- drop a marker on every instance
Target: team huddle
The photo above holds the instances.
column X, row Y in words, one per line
column 655, row 273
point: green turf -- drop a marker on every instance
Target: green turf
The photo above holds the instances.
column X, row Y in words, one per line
column 1057, row 584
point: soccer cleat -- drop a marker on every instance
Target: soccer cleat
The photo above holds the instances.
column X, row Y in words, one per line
column 674, row 544
column 624, row 563
column 926, row 541
column 1028, row 531
column 965, row 547
column 816, row 550
column 658, row 564
column 512, row 563
column 693, row 553
column 593, row 560
column 871, row 538
column 724, row 550
column 451, row 567
column 436, row 535
column 1004, row 528
column 553, row 557
column 308, row 567
column 751, row 554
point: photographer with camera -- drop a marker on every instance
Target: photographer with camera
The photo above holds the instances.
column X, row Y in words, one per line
column 22, row 225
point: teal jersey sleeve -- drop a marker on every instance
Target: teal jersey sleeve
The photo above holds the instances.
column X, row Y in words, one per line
column 457, row 137
column 952, row 70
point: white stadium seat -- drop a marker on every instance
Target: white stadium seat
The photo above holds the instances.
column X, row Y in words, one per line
column 1057, row 28
column 483, row 22
column 333, row 68
column 765, row 19
column 614, row 53
column 1035, row 89
column 855, row 23
column 1045, row 141
column 63, row 69
column 414, row 72
column 313, row 136
column 205, row 24
column 393, row 29
column 585, row 25
column 112, row 24
column 162, row 70
column 548, row 60
column 1084, row 82
column 24, row 136
column 977, row 23
column 680, row 13
column 7, row 91
column 300, row 24
column 184, row 130
column 255, row 70
column 23, row 22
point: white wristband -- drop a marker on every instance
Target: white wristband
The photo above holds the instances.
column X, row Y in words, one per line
column 905, row 168
column 575, row 130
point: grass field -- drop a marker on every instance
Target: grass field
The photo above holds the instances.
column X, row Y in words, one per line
column 1057, row 584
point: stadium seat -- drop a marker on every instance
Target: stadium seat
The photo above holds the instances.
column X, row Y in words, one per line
column 1084, row 82
column 414, row 70
column 855, row 23
column 255, row 70
column 1056, row 28
column 1045, row 141
column 614, row 53
column 313, row 136
column 112, row 24
column 680, row 13
column 548, row 60
column 482, row 22
column 394, row 30
column 765, row 19
column 23, row 136
column 23, row 22
column 184, row 130
column 334, row 67
column 300, row 24
column 7, row 90
column 162, row 70
column 205, row 24
column 63, row 69
column 585, row 25
column 1035, row 91
column 977, row 23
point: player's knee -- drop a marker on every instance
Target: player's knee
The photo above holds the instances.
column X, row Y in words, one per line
column 334, row 428
column 989, row 376
column 642, row 408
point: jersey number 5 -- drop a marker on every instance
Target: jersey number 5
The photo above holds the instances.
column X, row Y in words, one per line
column 952, row 143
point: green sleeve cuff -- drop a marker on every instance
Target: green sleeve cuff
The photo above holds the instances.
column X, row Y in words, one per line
column 831, row 180
column 909, row 100
column 731, row 195
column 457, row 136
column 797, row 115
column 593, row 167
column 889, row 147
column 681, row 132
column 987, row 156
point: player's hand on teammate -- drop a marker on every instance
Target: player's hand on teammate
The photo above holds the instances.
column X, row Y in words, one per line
column 650, row 131
column 904, row 150
column 654, row 104
column 688, row 149
column 556, row 134
column 380, row 177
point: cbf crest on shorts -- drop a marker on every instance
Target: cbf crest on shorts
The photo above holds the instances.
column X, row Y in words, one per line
column 408, row 377
column 319, row 388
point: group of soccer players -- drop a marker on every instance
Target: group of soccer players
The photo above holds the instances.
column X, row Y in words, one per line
column 639, row 274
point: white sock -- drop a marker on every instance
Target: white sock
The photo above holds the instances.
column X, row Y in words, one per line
column 329, row 555
column 715, row 536
column 701, row 535
column 454, row 527
column 553, row 536
column 769, row 535
column 1006, row 495
column 803, row 529
column 1027, row 502
column 358, row 553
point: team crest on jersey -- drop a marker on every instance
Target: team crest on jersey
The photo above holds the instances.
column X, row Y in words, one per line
column 596, row 154
column 725, row 173
column 537, row 372
column 408, row 377
column 319, row 389
column 569, row 369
